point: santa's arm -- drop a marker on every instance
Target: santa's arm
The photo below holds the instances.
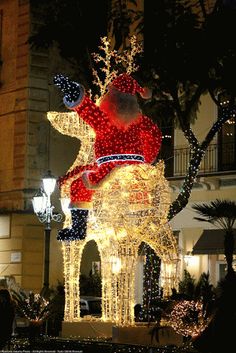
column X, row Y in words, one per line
column 151, row 138
column 76, row 99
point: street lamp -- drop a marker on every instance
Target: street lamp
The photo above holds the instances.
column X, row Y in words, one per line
column 44, row 211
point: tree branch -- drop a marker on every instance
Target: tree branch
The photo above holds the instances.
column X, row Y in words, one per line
column 195, row 161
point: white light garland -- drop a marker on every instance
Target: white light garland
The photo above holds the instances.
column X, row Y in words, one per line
column 130, row 208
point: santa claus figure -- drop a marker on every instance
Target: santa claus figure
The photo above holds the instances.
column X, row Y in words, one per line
column 123, row 136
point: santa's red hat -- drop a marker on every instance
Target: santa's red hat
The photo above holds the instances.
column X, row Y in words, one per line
column 127, row 84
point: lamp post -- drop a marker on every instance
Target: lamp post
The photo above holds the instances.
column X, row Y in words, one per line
column 44, row 211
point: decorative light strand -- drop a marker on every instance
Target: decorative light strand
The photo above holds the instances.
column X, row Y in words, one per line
column 107, row 57
column 130, row 206
column 188, row 318
column 119, row 222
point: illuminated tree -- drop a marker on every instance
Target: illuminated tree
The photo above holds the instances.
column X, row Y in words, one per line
column 186, row 61
column 152, row 293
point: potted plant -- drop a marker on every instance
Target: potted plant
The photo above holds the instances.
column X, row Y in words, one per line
column 33, row 307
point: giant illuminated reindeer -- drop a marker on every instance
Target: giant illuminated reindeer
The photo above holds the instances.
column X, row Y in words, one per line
column 116, row 196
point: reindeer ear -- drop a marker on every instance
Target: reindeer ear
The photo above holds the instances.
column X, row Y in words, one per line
column 146, row 93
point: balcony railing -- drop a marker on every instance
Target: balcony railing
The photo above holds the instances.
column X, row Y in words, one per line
column 218, row 158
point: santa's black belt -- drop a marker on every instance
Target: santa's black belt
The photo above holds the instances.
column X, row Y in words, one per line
column 120, row 157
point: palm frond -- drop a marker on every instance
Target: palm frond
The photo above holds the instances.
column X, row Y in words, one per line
column 218, row 212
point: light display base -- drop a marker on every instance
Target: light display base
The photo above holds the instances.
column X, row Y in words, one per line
column 87, row 329
column 141, row 334
column 138, row 334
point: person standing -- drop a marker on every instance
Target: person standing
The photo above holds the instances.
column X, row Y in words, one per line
column 7, row 315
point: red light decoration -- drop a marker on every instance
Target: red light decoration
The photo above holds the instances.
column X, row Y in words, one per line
column 126, row 84
column 132, row 204
column 134, row 143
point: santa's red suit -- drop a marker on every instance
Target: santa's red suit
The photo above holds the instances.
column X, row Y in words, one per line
column 138, row 142
column 123, row 136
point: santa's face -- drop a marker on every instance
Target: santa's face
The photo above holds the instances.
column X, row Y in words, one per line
column 121, row 108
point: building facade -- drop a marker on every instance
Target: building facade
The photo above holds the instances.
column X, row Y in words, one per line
column 201, row 245
column 28, row 147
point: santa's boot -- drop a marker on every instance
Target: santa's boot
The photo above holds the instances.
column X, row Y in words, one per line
column 78, row 228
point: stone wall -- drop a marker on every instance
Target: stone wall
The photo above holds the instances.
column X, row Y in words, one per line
column 13, row 102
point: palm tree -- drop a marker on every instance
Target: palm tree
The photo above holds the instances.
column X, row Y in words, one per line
column 221, row 213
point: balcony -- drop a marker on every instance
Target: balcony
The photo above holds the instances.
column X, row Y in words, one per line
column 217, row 159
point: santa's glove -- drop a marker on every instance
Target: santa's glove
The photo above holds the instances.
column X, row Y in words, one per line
column 73, row 91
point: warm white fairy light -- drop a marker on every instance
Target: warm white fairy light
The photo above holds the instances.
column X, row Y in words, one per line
column 106, row 59
column 188, row 318
column 231, row 121
column 70, row 124
column 35, row 307
column 127, row 58
column 226, row 112
column 130, row 207
column 119, row 223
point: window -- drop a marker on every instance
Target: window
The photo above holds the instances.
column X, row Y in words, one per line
column 227, row 146
column 5, row 226
column 221, row 270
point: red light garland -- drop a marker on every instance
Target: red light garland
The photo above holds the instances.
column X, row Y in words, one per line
column 141, row 138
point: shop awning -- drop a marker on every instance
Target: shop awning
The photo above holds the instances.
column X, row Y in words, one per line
column 211, row 242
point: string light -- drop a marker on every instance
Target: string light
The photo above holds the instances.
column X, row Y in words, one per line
column 166, row 137
column 78, row 231
column 71, row 124
column 119, row 222
column 151, row 288
column 188, row 318
column 129, row 207
column 34, row 307
column 197, row 152
column 105, row 60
